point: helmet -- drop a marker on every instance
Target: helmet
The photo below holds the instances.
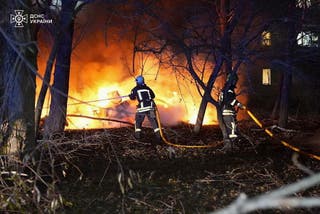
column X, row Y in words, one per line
column 140, row 80
column 232, row 80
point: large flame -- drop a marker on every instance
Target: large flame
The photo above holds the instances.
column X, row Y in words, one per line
column 177, row 100
column 174, row 106
column 99, row 75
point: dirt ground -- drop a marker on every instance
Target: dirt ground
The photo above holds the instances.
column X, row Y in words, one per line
column 120, row 174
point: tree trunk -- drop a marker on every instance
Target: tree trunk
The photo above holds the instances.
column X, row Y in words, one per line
column 206, row 96
column 58, row 108
column 284, row 100
column 44, row 87
column 274, row 114
column 287, row 75
column 226, row 37
column 18, row 82
column 201, row 113
column 226, row 66
column 275, row 108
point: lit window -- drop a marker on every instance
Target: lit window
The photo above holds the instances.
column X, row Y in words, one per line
column 266, row 38
column 303, row 3
column 307, row 39
column 266, row 76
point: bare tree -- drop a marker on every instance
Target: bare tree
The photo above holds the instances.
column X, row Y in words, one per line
column 60, row 57
column 220, row 35
column 223, row 36
column 17, row 80
column 297, row 18
column 58, row 107
column 55, row 29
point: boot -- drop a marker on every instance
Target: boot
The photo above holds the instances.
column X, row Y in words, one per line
column 158, row 138
column 227, row 146
column 137, row 135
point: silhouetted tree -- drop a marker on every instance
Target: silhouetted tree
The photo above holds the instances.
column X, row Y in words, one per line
column 18, row 65
column 225, row 35
column 58, row 107
column 296, row 18
column 61, row 53
column 218, row 35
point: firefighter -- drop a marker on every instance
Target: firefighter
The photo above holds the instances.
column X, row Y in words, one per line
column 230, row 106
column 145, row 107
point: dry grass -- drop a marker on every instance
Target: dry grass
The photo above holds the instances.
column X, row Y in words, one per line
column 108, row 171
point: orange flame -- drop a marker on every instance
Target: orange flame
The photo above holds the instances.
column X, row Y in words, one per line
column 99, row 74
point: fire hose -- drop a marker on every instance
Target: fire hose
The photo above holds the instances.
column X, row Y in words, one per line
column 94, row 101
column 281, row 141
column 180, row 145
column 254, row 118
column 210, row 146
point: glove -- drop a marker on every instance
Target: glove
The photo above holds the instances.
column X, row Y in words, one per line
column 241, row 106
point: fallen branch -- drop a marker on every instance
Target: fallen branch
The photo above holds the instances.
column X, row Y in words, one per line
column 276, row 199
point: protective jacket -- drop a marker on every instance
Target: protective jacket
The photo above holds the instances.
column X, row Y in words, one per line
column 145, row 97
column 229, row 102
column 145, row 107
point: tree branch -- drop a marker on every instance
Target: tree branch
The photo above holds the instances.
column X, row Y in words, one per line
column 275, row 199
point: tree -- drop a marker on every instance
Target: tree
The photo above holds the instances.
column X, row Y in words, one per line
column 61, row 53
column 18, row 58
column 298, row 17
column 218, row 35
column 224, row 35
column 226, row 67
column 58, row 107
column 287, row 75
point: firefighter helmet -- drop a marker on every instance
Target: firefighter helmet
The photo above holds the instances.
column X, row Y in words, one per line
column 140, row 80
column 232, row 80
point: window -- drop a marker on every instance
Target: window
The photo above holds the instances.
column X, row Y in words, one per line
column 266, row 38
column 266, row 76
column 307, row 39
column 303, row 3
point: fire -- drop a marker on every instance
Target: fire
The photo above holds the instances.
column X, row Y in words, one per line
column 173, row 106
column 101, row 72
column 99, row 76
column 104, row 101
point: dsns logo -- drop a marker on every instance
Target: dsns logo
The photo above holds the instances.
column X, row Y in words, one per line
column 18, row 18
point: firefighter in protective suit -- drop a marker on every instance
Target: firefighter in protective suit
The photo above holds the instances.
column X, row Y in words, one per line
column 145, row 107
column 230, row 106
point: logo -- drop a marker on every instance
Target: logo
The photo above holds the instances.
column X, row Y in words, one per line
column 19, row 18
column 33, row 18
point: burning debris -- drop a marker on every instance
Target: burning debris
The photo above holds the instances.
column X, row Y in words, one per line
column 122, row 111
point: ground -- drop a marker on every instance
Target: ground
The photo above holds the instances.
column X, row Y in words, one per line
column 120, row 174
